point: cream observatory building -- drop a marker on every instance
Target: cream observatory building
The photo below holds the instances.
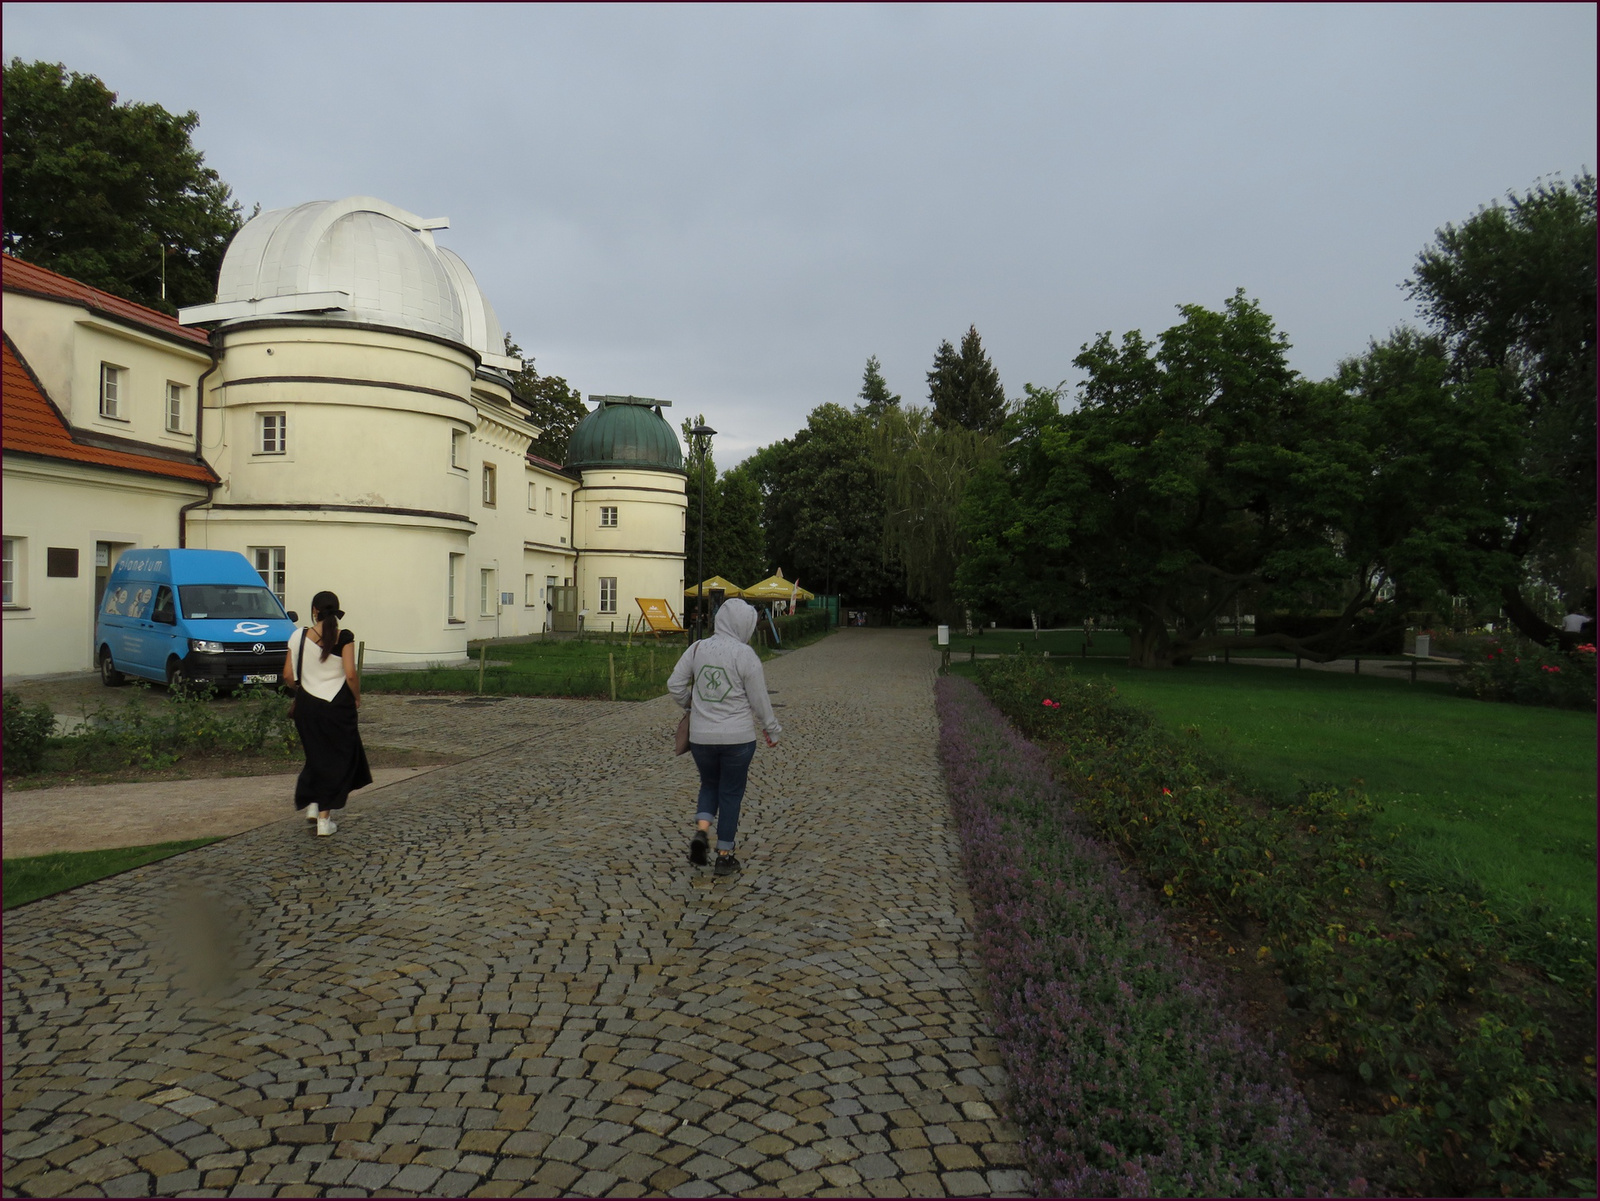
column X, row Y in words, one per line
column 344, row 416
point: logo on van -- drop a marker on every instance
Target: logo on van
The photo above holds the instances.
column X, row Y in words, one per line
column 254, row 628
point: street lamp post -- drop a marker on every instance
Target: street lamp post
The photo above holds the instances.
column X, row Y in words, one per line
column 702, row 434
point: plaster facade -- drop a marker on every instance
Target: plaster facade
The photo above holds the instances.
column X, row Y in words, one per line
column 378, row 451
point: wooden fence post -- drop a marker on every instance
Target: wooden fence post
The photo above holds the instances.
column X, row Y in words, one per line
column 612, row 660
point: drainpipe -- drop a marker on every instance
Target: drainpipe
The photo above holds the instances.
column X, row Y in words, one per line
column 199, row 453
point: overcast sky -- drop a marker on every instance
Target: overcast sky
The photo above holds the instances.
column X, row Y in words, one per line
column 732, row 207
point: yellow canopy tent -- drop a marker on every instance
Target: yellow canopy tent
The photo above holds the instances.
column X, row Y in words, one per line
column 776, row 588
column 716, row 581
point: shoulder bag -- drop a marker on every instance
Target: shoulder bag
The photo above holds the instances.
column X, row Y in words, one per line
column 680, row 743
column 299, row 667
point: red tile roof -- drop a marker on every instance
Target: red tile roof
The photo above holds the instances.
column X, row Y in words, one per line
column 547, row 464
column 34, row 280
column 33, row 425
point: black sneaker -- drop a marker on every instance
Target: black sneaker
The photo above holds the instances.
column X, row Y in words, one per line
column 697, row 848
column 726, row 866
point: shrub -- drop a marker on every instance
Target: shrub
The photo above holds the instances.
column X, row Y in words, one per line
column 27, row 729
column 1129, row 1079
column 1382, row 971
column 808, row 623
column 1525, row 673
column 141, row 735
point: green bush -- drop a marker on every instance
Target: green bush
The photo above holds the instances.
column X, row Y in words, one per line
column 1382, row 971
column 1525, row 673
column 806, row 624
column 27, row 729
column 144, row 735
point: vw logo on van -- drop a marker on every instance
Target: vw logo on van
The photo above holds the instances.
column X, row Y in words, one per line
column 260, row 648
column 253, row 628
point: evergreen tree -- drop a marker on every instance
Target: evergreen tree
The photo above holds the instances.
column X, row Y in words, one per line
column 554, row 406
column 964, row 387
column 875, row 390
column 111, row 194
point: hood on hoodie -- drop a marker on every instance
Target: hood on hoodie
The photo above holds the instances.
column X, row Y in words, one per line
column 736, row 619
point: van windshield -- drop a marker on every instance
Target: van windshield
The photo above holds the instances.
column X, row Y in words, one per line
column 229, row 602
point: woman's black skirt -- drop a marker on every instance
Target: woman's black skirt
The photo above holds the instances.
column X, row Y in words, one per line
column 336, row 762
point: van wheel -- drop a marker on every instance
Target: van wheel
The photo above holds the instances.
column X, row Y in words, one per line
column 109, row 675
column 175, row 681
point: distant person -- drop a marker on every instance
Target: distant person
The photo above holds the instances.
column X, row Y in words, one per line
column 720, row 682
column 322, row 661
column 1574, row 622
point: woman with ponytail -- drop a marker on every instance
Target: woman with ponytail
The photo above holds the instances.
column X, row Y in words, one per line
column 322, row 666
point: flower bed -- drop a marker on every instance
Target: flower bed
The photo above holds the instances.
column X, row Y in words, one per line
column 1129, row 1079
column 1525, row 673
column 1449, row 1050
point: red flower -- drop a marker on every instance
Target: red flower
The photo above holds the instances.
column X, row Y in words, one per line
column 1166, row 792
column 1587, row 647
column 1550, row 668
column 1050, row 704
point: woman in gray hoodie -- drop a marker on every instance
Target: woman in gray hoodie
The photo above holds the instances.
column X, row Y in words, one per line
column 720, row 682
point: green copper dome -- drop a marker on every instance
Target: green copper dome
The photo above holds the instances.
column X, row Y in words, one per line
column 628, row 433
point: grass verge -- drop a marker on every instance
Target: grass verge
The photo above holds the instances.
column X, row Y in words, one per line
column 562, row 668
column 1496, row 796
column 40, row 876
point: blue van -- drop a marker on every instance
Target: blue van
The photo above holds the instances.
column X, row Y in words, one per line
column 190, row 615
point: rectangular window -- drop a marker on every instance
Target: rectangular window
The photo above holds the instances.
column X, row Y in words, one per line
column 453, row 605
column 549, row 503
column 174, row 408
column 608, row 594
column 273, row 429
column 458, row 449
column 563, row 506
column 533, row 492
column 530, row 590
column 488, row 485
column 13, row 579
column 111, row 387
column 270, row 562
column 61, row 562
column 608, row 516
column 486, row 597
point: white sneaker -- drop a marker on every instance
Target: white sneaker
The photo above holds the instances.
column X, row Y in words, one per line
column 326, row 826
column 311, row 812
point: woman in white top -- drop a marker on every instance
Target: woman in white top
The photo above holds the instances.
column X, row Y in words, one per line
column 322, row 660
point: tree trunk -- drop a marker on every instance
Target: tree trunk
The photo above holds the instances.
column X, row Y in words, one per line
column 1529, row 623
column 1150, row 646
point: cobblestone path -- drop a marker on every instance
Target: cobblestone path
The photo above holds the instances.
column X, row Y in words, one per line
column 508, row 980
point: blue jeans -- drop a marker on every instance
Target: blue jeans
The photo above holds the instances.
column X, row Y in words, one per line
column 724, row 768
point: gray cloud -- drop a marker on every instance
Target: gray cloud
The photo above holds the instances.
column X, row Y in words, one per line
column 731, row 207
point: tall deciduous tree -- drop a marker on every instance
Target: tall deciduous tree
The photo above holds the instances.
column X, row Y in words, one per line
column 964, row 387
column 95, row 189
column 553, row 405
column 875, row 394
column 1202, row 472
column 1512, row 290
column 735, row 545
column 925, row 470
column 823, row 509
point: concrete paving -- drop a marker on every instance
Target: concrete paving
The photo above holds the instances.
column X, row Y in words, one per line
column 102, row 816
column 505, row 979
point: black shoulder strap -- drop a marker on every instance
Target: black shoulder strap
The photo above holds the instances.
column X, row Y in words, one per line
column 300, row 662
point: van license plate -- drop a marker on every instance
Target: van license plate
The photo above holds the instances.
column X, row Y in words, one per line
column 272, row 679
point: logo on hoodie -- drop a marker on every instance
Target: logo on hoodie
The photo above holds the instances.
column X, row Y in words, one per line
column 714, row 684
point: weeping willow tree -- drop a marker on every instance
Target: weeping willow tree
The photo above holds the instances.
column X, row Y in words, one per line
column 924, row 470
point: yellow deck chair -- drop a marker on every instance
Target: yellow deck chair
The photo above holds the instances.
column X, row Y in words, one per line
column 658, row 616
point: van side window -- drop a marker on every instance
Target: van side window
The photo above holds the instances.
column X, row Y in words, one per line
column 164, row 611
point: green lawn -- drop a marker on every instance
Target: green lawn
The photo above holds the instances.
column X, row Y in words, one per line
column 559, row 668
column 41, row 875
column 1504, row 794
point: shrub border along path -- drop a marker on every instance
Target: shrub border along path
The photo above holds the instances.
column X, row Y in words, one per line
column 1476, row 1074
column 1130, row 1080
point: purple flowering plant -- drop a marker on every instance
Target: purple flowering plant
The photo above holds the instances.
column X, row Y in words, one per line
column 1128, row 1076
